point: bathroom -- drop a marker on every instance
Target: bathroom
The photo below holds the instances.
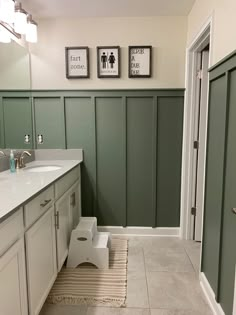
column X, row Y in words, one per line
column 133, row 137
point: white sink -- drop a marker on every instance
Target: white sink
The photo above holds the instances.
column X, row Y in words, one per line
column 42, row 168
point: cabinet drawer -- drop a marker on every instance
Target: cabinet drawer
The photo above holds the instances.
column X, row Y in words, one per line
column 36, row 207
column 11, row 229
column 63, row 184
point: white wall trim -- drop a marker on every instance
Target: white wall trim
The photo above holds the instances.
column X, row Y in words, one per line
column 210, row 296
column 188, row 128
column 140, row 231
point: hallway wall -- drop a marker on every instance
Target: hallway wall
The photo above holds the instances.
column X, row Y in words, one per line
column 224, row 24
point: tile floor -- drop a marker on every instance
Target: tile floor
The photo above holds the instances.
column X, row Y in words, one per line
column 162, row 280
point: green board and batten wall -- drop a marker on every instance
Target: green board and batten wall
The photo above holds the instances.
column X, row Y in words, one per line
column 132, row 142
column 219, row 235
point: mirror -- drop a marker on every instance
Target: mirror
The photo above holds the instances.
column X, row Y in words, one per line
column 14, row 67
column 14, row 73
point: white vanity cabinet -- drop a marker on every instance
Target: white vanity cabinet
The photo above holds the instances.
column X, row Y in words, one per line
column 13, row 294
column 49, row 217
column 34, row 244
column 41, row 260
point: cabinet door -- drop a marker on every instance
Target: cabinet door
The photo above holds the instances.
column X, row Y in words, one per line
column 75, row 205
column 41, row 260
column 13, row 295
column 49, row 123
column 18, row 135
column 63, row 228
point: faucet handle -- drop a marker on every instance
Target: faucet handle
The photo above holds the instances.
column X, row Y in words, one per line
column 3, row 153
column 25, row 152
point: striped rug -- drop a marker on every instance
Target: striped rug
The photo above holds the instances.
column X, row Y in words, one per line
column 91, row 286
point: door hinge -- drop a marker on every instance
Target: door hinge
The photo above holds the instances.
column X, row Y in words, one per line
column 196, row 144
column 193, row 210
column 200, row 74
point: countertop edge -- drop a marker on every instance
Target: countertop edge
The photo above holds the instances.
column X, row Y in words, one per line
column 13, row 210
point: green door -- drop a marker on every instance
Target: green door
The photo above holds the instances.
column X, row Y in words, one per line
column 228, row 249
column 49, row 123
column 17, row 123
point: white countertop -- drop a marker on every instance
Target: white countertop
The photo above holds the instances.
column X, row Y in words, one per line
column 16, row 188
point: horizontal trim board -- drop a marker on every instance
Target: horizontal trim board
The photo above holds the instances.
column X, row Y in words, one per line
column 225, row 59
column 210, row 296
column 142, row 231
column 95, row 93
column 228, row 65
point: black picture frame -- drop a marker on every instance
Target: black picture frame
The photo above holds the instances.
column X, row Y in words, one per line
column 106, row 68
column 77, row 64
column 140, row 61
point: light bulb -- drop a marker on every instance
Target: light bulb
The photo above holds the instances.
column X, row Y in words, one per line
column 31, row 31
column 7, row 11
column 20, row 23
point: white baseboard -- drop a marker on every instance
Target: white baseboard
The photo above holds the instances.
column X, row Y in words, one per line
column 210, row 295
column 140, row 231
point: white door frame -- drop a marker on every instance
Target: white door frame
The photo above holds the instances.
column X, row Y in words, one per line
column 200, row 41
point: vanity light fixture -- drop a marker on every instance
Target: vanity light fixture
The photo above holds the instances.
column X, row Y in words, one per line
column 15, row 22
column 31, row 30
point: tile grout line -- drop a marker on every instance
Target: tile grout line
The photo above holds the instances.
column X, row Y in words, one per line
column 144, row 261
column 195, row 271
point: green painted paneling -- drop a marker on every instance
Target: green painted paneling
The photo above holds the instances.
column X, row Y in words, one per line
column 228, row 251
column 214, row 180
column 141, row 160
column 111, row 168
column 169, row 155
column 2, row 145
column 17, row 122
column 117, row 129
column 80, row 131
column 49, row 122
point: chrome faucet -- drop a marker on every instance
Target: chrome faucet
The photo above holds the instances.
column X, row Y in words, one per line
column 20, row 163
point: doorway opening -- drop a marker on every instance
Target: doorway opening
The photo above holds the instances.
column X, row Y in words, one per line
column 198, row 160
column 195, row 134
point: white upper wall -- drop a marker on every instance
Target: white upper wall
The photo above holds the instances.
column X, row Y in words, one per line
column 224, row 25
column 167, row 35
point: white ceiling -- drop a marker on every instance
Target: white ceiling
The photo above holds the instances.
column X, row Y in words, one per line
column 107, row 8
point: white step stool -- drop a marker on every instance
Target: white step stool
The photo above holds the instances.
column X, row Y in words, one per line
column 88, row 245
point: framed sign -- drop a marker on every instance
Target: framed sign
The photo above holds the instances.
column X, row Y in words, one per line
column 108, row 61
column 140, row 60
column 77, row 62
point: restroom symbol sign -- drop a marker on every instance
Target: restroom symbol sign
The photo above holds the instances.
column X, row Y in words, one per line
column 108, row 61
